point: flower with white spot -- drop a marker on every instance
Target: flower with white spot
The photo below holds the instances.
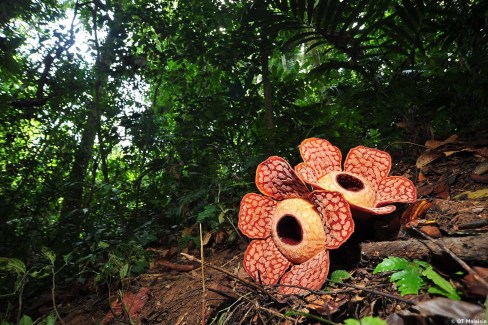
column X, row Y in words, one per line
column 292, row 229
column 364, row 182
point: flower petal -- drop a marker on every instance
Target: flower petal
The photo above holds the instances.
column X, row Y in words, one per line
column 321, row 156
column 362, row 212
column 311, row 274
column 372, row 164
column 264, row 262
column 395, row 189
column 306, row 172
column 276, row 178
column 255, row 215
column 336, row 216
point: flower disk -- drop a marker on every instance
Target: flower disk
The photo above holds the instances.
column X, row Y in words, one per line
column 297, row 230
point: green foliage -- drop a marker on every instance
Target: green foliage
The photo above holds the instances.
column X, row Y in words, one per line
column 368, row 320
column 26, row 320
column 410, row 277
column 111, row 261
column 13, row 265
column 339, row 276
column 22, row 274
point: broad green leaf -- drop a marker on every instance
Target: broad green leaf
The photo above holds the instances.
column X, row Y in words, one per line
column 67, row 258
column 368, row 320
column 221, row 217
column 50, row 255
column 209, row 211
column 26, row 320
column 12, row 265
column 445, row 287
column 49, row 320
column 339, row 275
column 438, row 291
column 408, row 281
column 42, row 273
column 103, row 244
column 124, row 270
column 391, row 263
column 425, row 265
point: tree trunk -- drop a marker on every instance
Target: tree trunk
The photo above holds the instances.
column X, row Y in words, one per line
column 268, row 93
column 98, row 95
column 71, row 216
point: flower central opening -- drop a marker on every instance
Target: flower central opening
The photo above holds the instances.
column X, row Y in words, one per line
column 350, row 182
column 289, row 230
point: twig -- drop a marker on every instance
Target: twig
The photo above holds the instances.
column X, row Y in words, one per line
column 176, row 267
column 270, row 311
column 222, row 293
column 203, row 276
column 235, row 303
column 53, row 288
column 21, row 292
column 322, row 292
column 244, row 317
column 404, row 142
column 463, row 264
column 311, row 291
column 379, row 293
column 246, row 283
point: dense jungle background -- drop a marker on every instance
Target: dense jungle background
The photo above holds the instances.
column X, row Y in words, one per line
column 125, row 124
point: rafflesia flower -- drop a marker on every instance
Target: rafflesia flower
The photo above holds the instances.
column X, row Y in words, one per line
column 292, row 228
column 364, row 182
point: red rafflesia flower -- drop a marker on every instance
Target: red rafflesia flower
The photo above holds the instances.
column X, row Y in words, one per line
column 292, row 229
column 364, row 182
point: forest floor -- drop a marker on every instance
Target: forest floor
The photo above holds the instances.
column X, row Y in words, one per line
column 451, row 209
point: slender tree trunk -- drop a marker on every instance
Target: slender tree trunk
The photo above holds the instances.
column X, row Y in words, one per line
column 98, row 95
column 268, row 93
column 71, row 216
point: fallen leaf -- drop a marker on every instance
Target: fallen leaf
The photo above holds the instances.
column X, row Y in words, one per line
column 483, row 152
column 451, row 152
column 187, row 231
column 441, row 189
column 220, row 237
column 421, row 223
column 181, row 319
column 424, row 190
column 472, row 195
column 206, row 238
column 433, row 144
column 130, row 305
column 479, row 178
column 451, row 309
column 432, row 312
column 422, row 178
column 432, row 231
column 481, row 168
column 473, row 286
column 414, row 211
column 426, row 158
